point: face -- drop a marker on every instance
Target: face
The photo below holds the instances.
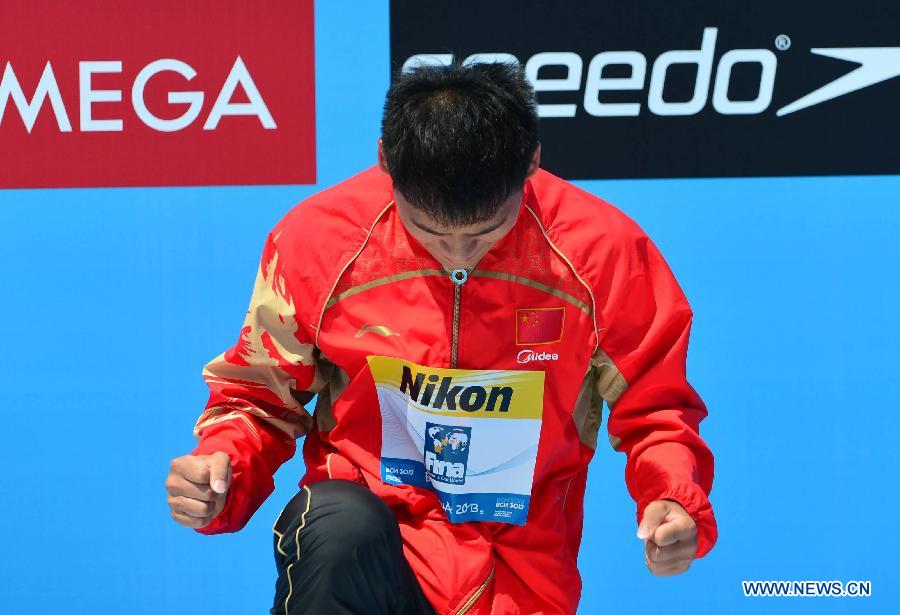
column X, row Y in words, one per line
column 459, row 247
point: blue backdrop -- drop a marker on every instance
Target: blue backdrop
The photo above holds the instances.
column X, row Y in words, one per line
column 113, row 299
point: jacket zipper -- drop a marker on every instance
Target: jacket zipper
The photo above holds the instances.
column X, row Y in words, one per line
column 477, row 594
column 458, row 277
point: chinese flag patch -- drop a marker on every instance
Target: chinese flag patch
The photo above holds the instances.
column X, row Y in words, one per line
column 539, row 325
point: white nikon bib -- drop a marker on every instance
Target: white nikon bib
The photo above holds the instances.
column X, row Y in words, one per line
column 471, row 436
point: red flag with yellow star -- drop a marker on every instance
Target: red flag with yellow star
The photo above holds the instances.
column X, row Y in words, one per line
column 539, row 325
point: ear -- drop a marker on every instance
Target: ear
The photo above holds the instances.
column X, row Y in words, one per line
column 382, row 163
column 535, row 163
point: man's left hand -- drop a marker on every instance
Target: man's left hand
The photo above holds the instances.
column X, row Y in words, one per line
column 670, row 537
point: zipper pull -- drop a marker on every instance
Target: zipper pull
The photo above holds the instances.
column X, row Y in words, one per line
column 459, row 276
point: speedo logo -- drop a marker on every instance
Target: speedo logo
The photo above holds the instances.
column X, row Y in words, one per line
column 875, row 64
column 441, row 394
column 527, row 356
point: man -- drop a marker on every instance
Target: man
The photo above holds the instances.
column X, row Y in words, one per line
column 462, row 316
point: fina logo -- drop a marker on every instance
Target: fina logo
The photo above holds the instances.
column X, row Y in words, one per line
column 876, row 64
column 447, row 453
column 527, row 356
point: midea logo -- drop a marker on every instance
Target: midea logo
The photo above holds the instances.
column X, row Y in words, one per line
column 876, row 64
column 527, row 356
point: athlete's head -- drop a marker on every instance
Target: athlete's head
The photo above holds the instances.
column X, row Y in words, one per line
column 459, row 141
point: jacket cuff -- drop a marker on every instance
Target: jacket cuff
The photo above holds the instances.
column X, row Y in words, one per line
column 694, row 500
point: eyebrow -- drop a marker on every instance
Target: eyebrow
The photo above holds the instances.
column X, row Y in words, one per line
column 481, row 232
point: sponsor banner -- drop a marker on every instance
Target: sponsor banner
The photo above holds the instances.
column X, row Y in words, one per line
column 660, row 89
column 471, row 436
column 96, row 93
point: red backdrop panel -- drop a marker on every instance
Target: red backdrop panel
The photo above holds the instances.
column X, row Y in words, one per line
column 265, row 49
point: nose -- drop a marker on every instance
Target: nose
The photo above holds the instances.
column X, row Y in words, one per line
column 459, row 251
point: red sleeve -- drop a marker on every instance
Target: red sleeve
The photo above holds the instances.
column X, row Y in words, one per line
column 655, row 414
column 254, row 412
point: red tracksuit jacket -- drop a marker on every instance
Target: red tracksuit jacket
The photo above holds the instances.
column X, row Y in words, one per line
column 470, row 406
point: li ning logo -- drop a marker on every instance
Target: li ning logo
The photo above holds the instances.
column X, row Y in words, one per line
column 441, row 394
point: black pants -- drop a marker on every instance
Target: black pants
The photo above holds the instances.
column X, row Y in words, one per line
column 338, row 550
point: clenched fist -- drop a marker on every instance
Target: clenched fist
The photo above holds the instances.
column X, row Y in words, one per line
column 197, row 486
column 670, row 537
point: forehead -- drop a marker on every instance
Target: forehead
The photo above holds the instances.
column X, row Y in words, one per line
column 423, row 221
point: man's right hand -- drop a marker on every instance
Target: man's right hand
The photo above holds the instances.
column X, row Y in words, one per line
column 197, row 486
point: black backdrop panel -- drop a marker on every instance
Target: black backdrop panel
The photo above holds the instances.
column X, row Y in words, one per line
column 759, row 88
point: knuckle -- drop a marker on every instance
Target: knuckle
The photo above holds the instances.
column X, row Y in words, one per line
column 192, row 507
column 661, row 571
column 215, row 459
column 675, row 568
column 202, row 472
column 179, row 519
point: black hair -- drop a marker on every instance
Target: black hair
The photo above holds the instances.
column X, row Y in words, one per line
column 458, row 139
